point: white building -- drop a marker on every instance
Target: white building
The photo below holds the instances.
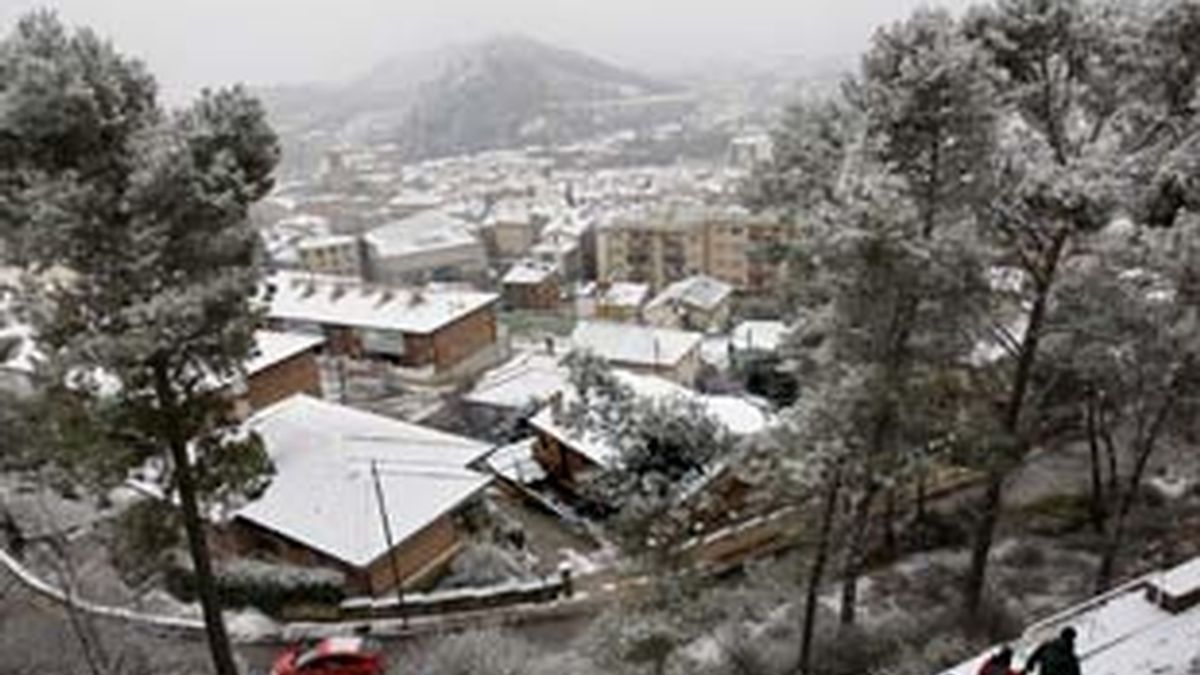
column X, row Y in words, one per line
column 696, row 303
column 670, row 354
column 430, row 245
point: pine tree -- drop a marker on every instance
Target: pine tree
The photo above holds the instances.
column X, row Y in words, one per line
column 148, row 212
column 1091, row 127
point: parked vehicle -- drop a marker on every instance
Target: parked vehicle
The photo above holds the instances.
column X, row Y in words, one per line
column 331, row 656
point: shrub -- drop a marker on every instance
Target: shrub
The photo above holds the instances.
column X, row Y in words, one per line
column 267, row 586
column 483, row 564
column 145, row 534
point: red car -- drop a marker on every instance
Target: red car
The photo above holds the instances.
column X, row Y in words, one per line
column 331, row 656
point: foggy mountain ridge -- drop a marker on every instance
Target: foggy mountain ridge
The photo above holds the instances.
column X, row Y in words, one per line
column 505, row 91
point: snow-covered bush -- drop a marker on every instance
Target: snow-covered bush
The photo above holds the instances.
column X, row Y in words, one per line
column 489, row 652
column 484, row 564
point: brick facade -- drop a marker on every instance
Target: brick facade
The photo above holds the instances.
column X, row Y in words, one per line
column 297, row 375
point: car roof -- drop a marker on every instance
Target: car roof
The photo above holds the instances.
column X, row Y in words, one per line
column 337, row 646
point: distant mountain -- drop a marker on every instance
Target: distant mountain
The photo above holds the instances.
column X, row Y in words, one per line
column 501, row 92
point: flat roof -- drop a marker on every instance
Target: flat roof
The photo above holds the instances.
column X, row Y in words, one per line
column 633, row 344
column 700, row 291
column 332, row 301
column 421, row 232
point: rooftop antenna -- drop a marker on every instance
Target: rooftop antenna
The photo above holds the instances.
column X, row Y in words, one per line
column 387, row 537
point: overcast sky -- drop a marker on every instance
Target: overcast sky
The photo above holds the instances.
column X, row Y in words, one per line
column 192, row 43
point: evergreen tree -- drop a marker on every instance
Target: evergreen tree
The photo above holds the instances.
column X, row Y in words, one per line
column 148, row 212
column 1091, row 127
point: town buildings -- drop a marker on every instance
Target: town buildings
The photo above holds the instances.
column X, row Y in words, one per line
column 671, row 354
column 284, row 364
column 428, row 327
column 335, row 254
column 699, row 303
column 663, row 244
column 570, row 451
column 531, row 285
column 427, row 246
column 338, row 473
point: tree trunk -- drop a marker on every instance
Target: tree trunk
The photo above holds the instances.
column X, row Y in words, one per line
column 982, row 543
column 989, row 512
column 214, row 623
column 185, row 483
column 1096, row 499
column 891, row 542
column 922, row 496
column 817, row 570
column 94, row 654
column 855, row 556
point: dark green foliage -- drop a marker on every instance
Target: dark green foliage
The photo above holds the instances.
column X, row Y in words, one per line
column 272, row 595
column 146, row 536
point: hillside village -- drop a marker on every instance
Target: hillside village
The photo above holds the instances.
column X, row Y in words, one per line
column 856, row 387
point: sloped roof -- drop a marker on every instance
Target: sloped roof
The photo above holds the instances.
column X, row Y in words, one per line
column 700, row 291
column 273, row 347
column 323, row 493
column 526, row 378
column 737, row 415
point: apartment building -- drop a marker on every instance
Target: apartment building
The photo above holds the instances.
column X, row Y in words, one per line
column 337, row 255
column 667, row 243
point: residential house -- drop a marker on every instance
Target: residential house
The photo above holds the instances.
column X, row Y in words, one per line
column 671, row 354
column 620, row 300
column 514, row 229
column 515, row 389
column 699, row 303
column 433, row 327
column 427, row 246
column 531, row 284
column 570, row 452
column 358, row 493
column 284, row 364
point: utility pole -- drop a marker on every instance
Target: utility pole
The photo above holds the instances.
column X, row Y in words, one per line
column 387, row 538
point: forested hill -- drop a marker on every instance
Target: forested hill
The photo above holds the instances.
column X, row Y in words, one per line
column 500, row 92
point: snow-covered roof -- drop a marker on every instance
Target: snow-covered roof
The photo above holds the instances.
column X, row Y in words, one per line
column 516, row 462
column 326, row 241
column 700, row 291
column 528, row 272
column 624, row 294
column 527, row 377
column 766, row 336
column 424, row 231
column 1123, row 631
column 737, row 415
column 409, row 198
column 323, row 495
column 635, row 345
column 334, row 301
column 272, row 347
